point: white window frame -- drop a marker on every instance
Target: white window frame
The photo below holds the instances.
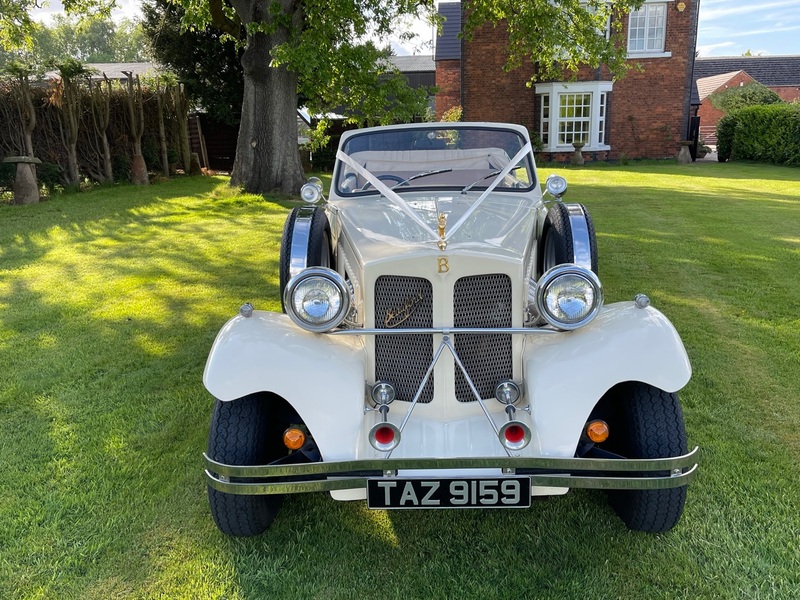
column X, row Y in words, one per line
column 606, row 31
column 649, row 8
column 598, row 90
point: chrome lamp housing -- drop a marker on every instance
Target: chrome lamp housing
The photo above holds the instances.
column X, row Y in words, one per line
column 311, row 192
column 318, row 299
column 568, row 297
column 556, row 186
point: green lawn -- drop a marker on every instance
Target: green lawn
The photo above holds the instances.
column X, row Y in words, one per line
column 109, row 303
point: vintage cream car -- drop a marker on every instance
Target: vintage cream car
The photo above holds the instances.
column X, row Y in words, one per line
column 444, row 344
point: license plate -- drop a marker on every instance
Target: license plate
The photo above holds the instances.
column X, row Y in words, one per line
column 503, row 492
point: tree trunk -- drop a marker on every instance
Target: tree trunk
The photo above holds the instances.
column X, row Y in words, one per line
column 267, row 156
column 162, row 134
column 71, row 113
column 101, row 115
column 136, row 121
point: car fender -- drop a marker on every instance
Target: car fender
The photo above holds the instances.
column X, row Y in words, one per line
column 566, row 374
column 321, row 376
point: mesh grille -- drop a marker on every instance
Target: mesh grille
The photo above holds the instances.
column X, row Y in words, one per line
column 482, row 301
column 402, row 360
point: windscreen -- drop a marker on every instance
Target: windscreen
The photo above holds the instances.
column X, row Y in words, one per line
column 429, row 158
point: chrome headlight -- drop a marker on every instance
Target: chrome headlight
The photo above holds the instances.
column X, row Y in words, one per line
column 568, row 296
column 556, row 185
column 317, row 299
column 311, row 192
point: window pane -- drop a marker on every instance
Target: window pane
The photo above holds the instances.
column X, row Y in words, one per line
column 575, row 111
column 646, row 28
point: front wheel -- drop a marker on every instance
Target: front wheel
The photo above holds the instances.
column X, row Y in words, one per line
column 649, row 425
column 244, row 432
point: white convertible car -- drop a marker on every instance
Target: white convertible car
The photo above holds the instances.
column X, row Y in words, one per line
column 444, row 344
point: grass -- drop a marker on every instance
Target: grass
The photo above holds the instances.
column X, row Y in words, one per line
column 110, row 300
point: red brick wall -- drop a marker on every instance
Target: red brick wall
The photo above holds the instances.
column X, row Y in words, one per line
column 448, row 80
column 649, row 110
column 491, row 94
column 787, row 93
column 710, row 116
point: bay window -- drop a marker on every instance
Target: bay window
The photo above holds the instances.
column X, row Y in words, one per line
column 572, row 113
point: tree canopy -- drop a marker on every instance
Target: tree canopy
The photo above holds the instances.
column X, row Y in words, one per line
column 206, row 61
column 88, row 39
column 330, row 52
column 17, row 27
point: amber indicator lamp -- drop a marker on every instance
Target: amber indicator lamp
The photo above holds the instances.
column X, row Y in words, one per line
column 294, row 438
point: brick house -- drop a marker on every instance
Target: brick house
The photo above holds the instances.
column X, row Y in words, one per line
column 781, row 74
column 644, row 114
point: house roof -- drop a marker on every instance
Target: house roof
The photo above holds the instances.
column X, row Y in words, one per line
column 448, row 44
column 414, row 64
column 115, row 70
column 708, row 85
column 772, row 71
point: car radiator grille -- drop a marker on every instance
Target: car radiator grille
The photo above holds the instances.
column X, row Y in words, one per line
column 404, row 359
column 480, row 301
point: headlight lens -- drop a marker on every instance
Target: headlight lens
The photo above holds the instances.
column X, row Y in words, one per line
column 317, row 299
column 556, row 185
column 311, row 193
column 568, row 296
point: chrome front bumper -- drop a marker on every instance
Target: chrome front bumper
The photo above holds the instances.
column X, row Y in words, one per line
column 594, row 473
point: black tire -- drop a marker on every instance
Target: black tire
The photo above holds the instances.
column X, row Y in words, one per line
column 649, row 425
column 244, row 432
column 318, row 252
column 557, row 245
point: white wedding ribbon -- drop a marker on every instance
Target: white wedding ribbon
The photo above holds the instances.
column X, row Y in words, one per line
column 512, row 163
column 386, row 191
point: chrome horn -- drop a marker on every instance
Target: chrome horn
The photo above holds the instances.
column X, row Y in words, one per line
column 384, row 436
column 515, row 434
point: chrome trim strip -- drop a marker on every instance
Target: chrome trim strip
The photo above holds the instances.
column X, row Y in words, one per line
column 541, row 480
column 581, row 245
column 446, row 331
column 301, row 233
column 499, row 462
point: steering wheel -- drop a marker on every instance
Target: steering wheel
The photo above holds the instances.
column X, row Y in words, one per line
column 387, row 176
column 346, row 183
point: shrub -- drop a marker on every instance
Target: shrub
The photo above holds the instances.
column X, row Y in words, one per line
column 725, row 130
column 48, row 175
column 735, row 98
column 768, row 134
column 7, row 172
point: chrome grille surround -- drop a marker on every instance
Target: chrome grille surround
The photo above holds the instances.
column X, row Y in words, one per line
column 403, row 360
column 482, row 301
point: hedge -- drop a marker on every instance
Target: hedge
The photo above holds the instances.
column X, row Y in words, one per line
column 48, row 142
column 768, row 133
